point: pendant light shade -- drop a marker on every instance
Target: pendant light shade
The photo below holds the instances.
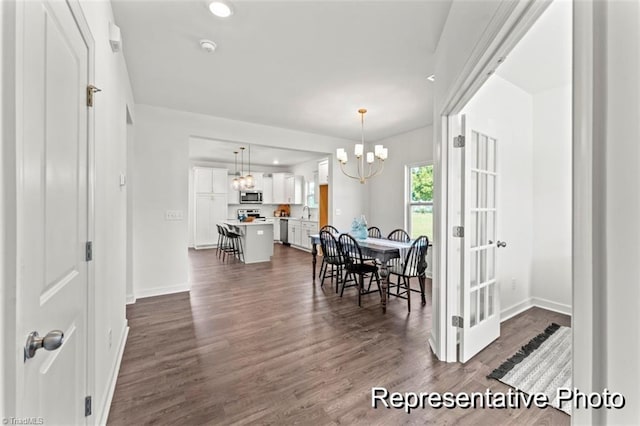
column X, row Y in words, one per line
column 249, row 181
column 235, row 184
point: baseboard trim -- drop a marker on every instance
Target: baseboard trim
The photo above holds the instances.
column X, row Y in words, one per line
column 106, row 407
column 131, row 299
column 531, row 302
column 516, row 309
column 551, row 306
column 161, row 291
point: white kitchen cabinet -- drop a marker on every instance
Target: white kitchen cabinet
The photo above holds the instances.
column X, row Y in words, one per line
column 208, row 180
column 295, row 232
column 279, row 196
column 210, row 209
column 294, row 189
column 288, row 189
column 267, row 191
column 308, row 229
column 258, row 180
column 323, row 172
column 300, row 231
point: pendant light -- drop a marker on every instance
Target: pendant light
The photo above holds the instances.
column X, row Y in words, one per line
column 242, row 180
column 249, row 181
column 236, row 182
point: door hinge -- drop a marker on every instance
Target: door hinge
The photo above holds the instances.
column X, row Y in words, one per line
column 88, row 253
column 458, row 231
column 457, row 321
column 87, row 406
column 91, row 89
column 458, row 141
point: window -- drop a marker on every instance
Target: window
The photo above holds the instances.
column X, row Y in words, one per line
column 420, row 200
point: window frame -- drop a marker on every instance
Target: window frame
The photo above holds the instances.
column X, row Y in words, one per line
column 407, row 196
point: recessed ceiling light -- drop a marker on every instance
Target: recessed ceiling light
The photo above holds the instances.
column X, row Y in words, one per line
column 208, row 45
column 432, row 78
column 276, row 162
column 220, row 9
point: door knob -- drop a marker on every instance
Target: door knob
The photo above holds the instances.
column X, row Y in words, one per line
column 501, row 244
column 52, row 341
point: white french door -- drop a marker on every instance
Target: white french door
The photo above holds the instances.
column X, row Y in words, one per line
column 480, row 292
column 52, row 117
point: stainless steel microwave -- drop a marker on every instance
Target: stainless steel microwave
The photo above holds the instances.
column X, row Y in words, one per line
column 250, row 197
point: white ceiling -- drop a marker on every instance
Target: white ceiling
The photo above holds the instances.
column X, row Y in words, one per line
column 305, row 65
column 542, row 59
column 222, row 151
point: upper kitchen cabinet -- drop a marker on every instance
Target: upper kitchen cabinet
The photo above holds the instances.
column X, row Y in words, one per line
column 294, row 189
column 279, row 196
column 209, row 180
column 288, row 189
column 323, row 172
column 267, row 189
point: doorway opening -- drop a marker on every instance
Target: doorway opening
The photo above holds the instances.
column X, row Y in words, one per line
column 512, row 177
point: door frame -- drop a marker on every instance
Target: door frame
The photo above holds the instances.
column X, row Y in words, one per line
column 509, row 24
column 588, row 174
column 15, row 382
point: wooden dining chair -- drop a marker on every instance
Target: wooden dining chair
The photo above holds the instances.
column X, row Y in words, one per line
column 333, row 230
column 413, row 265
column 399, row 235
column 355, row 265
column 374, row 232
column 331, row 258
column 330, row 228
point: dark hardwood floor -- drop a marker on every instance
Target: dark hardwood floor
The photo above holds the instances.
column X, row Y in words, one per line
column 264, row 344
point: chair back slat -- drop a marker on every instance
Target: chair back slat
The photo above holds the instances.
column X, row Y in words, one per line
column 374, row 232
column 399, row 235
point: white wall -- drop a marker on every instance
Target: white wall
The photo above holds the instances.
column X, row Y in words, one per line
column 386, row 207
column 504, row 111
column 161, row 176
column 551, row 269
column 110, row 241
column 7, row 207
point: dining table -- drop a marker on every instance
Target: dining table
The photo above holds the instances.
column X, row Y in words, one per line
column 381, row 249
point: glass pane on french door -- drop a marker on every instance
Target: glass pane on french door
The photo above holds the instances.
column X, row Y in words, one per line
column 482, row 227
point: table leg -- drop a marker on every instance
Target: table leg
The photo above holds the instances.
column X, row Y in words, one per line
column 384, row 276
column 314, row 254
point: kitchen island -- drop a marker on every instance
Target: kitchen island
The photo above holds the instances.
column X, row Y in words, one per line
column 257, row 239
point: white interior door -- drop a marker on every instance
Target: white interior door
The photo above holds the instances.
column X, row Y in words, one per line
column 480, row 302
column 53, row 210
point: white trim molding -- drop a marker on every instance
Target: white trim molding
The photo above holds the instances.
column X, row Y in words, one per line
column 161, row 291
column 534, row 302
column 113, row 379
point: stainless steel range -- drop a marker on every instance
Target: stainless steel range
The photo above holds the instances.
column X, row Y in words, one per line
column 255, row 213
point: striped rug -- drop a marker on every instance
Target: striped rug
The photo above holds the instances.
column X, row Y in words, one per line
column 542, row 365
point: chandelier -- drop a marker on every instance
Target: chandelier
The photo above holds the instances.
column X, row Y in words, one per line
column 241, row 182
column 378, row 156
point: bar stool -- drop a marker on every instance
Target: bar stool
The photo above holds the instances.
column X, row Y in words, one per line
column 234, row 245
